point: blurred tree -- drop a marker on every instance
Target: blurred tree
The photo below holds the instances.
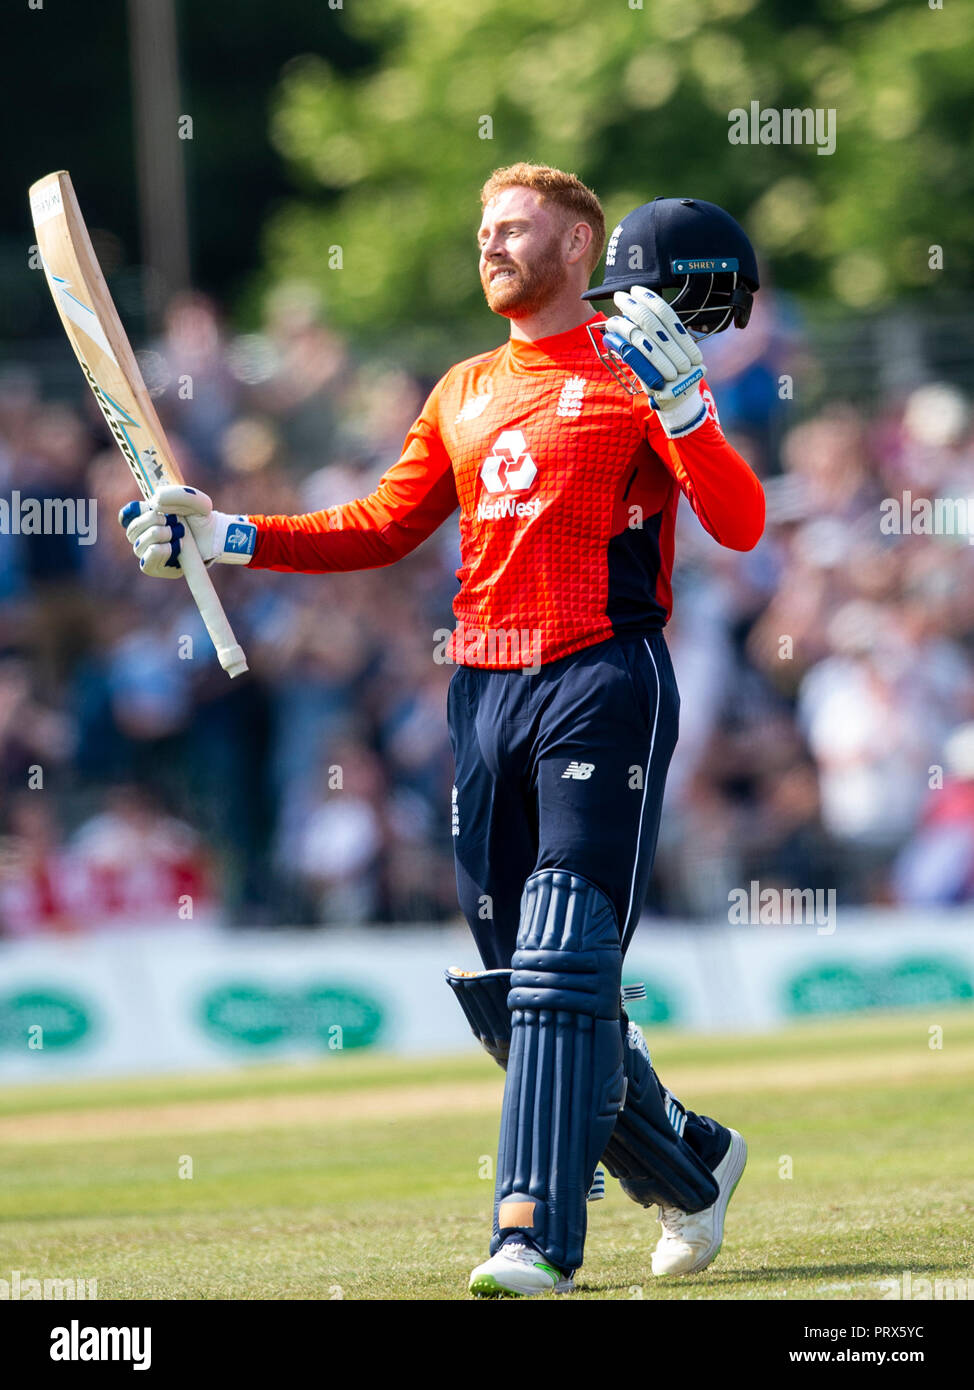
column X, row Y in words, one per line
column 637, row 102
column 65, row 103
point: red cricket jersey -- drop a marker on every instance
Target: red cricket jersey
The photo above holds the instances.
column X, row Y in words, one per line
column 567, row 487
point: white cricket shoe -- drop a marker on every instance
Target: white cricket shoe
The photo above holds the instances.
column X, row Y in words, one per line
column 517, row 1271
column 689, row 1243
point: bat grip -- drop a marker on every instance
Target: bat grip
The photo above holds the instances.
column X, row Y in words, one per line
column 197, row 576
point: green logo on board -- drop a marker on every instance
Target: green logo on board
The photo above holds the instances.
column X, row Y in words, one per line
column 42, row 1020
column 912, row 980
column 329, row 1016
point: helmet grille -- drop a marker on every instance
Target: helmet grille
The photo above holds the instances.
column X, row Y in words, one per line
column 709, row 303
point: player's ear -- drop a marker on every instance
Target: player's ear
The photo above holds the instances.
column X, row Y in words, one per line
column 579, row 242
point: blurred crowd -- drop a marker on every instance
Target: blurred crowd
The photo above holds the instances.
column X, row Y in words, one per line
column 827, row 678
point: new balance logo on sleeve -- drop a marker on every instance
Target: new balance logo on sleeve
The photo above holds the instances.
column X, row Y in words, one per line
column 578, row 772
column 474, row 406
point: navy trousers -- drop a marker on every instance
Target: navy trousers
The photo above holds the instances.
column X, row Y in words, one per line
column 564, row 769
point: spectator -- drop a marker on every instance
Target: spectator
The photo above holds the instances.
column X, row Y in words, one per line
column 936, row 865
column 822, row 674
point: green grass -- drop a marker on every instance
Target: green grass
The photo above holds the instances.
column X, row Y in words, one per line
column 337, row 1201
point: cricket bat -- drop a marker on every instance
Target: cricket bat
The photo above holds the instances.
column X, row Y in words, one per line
column 95, row 332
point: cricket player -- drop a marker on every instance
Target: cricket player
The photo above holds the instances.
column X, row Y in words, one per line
column 563, row 709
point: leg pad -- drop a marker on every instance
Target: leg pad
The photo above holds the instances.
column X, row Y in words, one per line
column 564, row 1072
column 482, row 995
column 647, row 1151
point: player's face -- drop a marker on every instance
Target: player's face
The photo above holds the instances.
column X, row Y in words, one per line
column 522, row 243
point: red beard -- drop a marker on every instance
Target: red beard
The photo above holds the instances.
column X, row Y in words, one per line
column 529, row 289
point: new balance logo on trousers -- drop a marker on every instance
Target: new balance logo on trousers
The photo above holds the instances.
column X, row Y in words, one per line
column 579, row 772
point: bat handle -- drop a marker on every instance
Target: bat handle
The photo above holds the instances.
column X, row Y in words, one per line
column 197, row 576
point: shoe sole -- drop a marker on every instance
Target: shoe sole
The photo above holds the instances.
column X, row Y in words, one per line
column 735, row 1173
column 486, row 1286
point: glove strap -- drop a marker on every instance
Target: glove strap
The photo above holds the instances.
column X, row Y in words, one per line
column 683, row 417
column 234, row 539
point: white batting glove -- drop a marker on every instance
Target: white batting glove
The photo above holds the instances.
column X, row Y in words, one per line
column 155, row 529
column 655, row 346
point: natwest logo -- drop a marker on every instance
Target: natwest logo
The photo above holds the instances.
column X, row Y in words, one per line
column 507, row 506
column 509, row 467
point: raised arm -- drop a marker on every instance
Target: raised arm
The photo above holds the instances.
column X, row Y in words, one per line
column 412, row 499
column 720, row 487
column 678, row 418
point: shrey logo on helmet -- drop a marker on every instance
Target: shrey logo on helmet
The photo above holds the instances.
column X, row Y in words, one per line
column 691, row 248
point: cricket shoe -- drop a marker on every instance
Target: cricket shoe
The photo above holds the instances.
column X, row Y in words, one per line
column 689, row 1243
column 518, row 1270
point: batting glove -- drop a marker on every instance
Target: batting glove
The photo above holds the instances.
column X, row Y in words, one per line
column 155, row 530
column 651, row 340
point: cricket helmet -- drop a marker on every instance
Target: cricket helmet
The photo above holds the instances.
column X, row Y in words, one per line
column 693, row 248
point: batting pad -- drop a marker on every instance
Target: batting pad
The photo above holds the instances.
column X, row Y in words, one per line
column 565, row 1076
column 647, row 1153
column 482, row 995
column 654, row 1165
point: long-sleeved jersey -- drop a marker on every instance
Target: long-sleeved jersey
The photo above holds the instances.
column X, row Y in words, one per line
column 567, row 488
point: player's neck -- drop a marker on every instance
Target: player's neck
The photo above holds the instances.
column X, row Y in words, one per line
column 558, row 316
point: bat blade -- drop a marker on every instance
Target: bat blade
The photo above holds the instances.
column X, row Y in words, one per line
column 105, row 355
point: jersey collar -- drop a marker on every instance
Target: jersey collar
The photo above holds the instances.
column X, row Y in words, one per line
column 544, row 352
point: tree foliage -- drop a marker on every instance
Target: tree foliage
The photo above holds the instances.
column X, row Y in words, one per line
column 636, row 101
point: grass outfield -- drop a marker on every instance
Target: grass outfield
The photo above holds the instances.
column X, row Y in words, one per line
column 370, row 1178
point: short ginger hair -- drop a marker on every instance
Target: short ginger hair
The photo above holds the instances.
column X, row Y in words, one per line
column 566, row 191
